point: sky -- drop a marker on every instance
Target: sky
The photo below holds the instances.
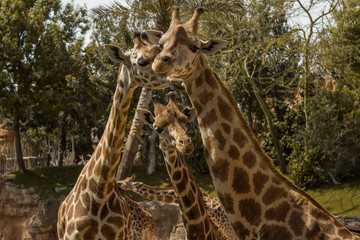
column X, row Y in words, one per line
column 89, row 3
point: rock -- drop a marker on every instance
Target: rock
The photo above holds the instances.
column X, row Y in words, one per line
column 168, row 220
column 23, row 215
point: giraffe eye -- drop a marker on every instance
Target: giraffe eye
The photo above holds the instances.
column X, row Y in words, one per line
column 158, row 130
column 143, row 63
column 194, row 48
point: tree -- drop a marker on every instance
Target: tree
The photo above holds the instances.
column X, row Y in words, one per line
column 309, row 35
column 35, row 59
column 261, row 61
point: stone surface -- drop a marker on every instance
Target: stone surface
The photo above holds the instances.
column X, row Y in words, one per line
column 168, row 220
column 24, row 216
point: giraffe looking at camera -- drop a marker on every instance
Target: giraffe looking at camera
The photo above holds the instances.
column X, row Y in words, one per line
column 259, row 201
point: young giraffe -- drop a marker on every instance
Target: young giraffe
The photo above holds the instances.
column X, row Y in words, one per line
column 259, row 201
column 95, row 209
column 142, row 223
column 213, row 206
column 170, row 125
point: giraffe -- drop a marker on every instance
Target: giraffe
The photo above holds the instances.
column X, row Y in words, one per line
column 142, row 223
column 213, row 206
column 95, row 209
column 170, row 125
column 259, row 201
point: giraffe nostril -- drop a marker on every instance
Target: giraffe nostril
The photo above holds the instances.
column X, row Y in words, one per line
column 167, row 59
column 181, row 142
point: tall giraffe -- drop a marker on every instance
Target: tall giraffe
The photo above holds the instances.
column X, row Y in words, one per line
column 213, row 206
column 259, row 201
column 95, row 209
column 170, row 125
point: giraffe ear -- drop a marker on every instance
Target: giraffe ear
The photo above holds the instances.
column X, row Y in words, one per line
column 116, row 54
column 146, row 116
column 190, row 113
column 154, row 36
column 212, row 45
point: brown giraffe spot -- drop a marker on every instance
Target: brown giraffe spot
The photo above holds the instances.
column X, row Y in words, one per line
column 240, row 229
column 274, row 232
column 177, row 175
column 296, row 223
column 181, row 187
column 343, row 232
column 259, row 180
column 220, row 170
column 104, row 212
column 114, row 204
column 220, row 139
column 80, row 210
column 94, row 207
column 121, row 84
column 210, row 79
column 328, row 228
column 273, row 194
column 185, row 177
column 70, row 212
column 249, row 159
column 250, row 210
column 278, row 213
column 208, row 119
column 225, row 109
column 234, row 152
column 70, row 228
column 226, row 127
column 227, row 202
column 196, row 228
column 240, row 181
column 198, row 107
column 92, row 162
column 239, row 137
column 104, row 172
column 199, row 81
column 108, row 232
column 188, row 199
column 205, row 97
column 313, row 231
column 193, row 213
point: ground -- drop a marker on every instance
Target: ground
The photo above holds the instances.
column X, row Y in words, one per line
column 341, row 200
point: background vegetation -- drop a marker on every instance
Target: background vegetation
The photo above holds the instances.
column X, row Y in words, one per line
column 57, row 83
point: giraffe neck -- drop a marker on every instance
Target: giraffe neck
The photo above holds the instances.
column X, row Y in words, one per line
column 197, row 222
column 104, row 161
column 252, row 192
column 155, row 194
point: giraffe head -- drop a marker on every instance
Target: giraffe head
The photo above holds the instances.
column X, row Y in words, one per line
column 128, row 183
column 181, row 46
column 138, row 62
column 170, row 124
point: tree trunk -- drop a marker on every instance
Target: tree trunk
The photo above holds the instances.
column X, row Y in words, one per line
column 19, row 156
column 132, row 141
column 150, row 152
column 62, row 143
column 267, row 113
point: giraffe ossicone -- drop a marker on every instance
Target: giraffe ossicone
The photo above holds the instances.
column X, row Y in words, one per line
column 259, row 201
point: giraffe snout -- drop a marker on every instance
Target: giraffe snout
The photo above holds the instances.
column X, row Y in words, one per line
column 185, row 146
